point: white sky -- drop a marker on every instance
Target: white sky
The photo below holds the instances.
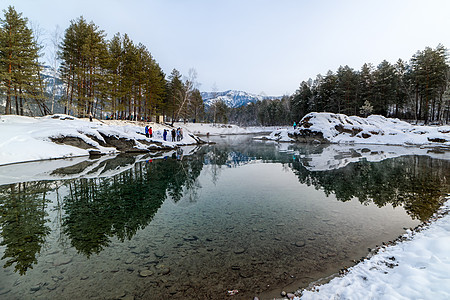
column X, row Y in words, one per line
column 258, row 46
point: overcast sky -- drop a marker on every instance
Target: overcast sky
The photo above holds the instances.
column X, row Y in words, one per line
column 258, row 46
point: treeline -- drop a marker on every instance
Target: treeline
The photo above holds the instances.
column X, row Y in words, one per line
column 418, row 90
column 266, row 113
column 114, row 78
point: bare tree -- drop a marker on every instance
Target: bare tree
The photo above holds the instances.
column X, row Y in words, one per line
column 214, row 96
column 53, row 58
column 190, row 84
column 39, row 41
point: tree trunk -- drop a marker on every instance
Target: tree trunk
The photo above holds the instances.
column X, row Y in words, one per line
column 17, row 101
column 20, row 102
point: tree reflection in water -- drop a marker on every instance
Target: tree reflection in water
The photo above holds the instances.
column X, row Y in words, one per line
column 23, row 223
column 98, row 209
column 416, row 182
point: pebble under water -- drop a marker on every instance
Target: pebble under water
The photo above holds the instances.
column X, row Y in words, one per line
column 239, row 215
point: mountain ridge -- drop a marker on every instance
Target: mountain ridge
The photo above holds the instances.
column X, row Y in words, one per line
column 234, row 98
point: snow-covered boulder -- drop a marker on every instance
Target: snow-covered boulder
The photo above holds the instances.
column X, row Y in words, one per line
column 340, row 128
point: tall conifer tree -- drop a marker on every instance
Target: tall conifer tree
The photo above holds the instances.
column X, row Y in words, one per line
column 19, row 66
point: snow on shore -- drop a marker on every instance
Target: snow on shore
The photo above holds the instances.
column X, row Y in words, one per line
column 417, row 268
column 342, row 129
column 29, row 139
column 222, row 129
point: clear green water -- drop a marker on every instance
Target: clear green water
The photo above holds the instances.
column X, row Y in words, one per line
column 236, row 215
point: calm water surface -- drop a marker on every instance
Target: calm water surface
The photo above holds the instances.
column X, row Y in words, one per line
column 241, row 214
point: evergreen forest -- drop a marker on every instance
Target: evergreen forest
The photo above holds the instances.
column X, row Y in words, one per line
column 118, row 78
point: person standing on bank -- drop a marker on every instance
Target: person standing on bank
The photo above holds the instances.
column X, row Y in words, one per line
column 173, row 135
column 146, row 131
column 150, row 132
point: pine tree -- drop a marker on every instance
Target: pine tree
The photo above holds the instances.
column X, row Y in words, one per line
column 365, row 85
column 430, row 71
column 403, row 89
column 19, row 66
column 300, row 102
column 385, row 87
column 175, row 93
column 347, row 91
column 83, row 69
column 114, row 74
column 196, row 108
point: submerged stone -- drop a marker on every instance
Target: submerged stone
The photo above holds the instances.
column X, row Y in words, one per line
column 239, row 251
column 300, row 243
column 146, row 273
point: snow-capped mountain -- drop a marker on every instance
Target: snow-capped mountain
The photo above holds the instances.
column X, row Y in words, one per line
column 233, row 98
column 52, row 81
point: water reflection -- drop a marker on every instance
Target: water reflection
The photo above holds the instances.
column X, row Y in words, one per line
column 23, row 223
column 414, row 182
column 109, row 200
column 97, row 209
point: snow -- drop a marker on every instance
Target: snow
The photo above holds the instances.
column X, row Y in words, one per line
column 233, row 98
column 221, row 129
column 342, row 129
column 29, row 139
column 416, row 268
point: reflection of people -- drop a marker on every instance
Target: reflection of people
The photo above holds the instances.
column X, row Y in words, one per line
column 179, row 154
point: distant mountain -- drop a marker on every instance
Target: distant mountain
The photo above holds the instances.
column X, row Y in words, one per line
column 233, row 98
column 52, row 81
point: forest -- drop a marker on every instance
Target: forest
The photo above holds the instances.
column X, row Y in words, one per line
column 120, row 79
column 416, row 91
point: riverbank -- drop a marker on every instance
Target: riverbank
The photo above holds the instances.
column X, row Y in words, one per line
column 416, row 266
column 24, row 139
column 329, row 128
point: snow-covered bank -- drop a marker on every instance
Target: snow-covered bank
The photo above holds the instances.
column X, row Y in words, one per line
column 61, row 136
column 222, row 129
column 339, row 128
column 418, row 267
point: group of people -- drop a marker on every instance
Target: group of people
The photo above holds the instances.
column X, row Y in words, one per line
column 177, row 134
column 148, row 131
